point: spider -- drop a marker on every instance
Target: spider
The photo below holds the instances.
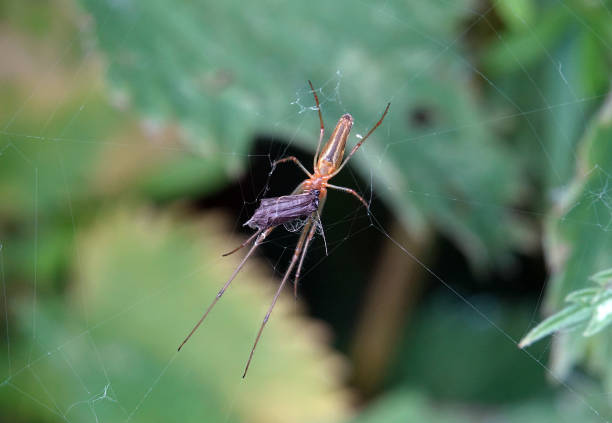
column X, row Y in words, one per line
column 306, row 201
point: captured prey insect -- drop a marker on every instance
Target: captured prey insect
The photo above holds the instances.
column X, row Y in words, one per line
column 282, row 210
column 306, row 201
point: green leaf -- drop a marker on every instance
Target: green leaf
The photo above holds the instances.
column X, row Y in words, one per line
column 560, row 61
column 226, row 71
column 579, row 238
column 594, row 62
column 578, row 241
column 602, row 317
column 604, row 294
column 582, row 296
column 512, row 51
column 604, row 277
column 596, row 300
column 567, row 318
column 517, row 14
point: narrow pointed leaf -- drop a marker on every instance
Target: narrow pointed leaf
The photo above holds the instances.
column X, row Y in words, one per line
column 582, row 296
column 603, row 277
column 602, row 316
column 566, row 318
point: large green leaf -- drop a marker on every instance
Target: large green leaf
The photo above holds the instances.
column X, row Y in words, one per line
column 108, row 352
column 225, row 71
column 579, row 241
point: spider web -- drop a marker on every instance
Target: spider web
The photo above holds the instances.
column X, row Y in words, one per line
column 60, row 147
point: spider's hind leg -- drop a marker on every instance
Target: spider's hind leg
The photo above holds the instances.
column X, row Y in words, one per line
column 311, row 233
column 244, row 244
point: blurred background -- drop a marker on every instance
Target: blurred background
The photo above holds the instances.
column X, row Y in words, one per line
column 137, row 136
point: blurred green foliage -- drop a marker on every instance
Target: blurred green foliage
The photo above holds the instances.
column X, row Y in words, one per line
column 579, row 242
column 481, row 356
column 411, row 406
column 143, row 278
column 116, row 117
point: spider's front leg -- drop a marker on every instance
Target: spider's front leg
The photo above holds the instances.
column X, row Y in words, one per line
column 292, row 159
column 352, row 192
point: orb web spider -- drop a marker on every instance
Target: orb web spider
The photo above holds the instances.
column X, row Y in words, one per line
column 306, row 201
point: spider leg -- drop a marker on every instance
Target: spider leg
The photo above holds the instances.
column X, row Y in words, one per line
column 313, row 229
column 293, row 159
column 316, row 156
column 322, row 233
column 352, row 192
column 244, row 244
column 262, row 234
column 362, row 140
column 296, row 255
